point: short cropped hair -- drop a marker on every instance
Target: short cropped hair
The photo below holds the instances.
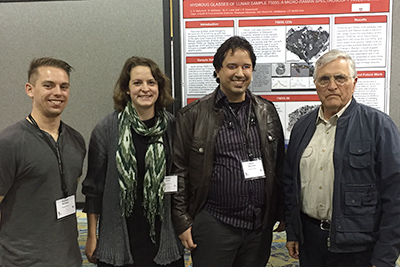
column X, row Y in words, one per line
column 231, row 45
column 46, row 62
column 121, row 98
column 332, row 55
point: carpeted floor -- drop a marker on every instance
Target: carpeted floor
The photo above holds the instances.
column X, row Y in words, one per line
column 279, row 256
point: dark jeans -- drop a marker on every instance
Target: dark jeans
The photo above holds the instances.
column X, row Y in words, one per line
column 222, row 245
column 314, row 251
column 102, row 264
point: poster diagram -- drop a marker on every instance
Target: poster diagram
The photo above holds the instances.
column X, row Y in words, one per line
column 288, row 36
column 307, row 43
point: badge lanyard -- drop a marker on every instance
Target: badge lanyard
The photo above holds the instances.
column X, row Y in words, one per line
column 245, row 132
column 56, row 151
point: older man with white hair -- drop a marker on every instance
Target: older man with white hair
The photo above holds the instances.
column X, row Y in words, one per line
column 342, row 177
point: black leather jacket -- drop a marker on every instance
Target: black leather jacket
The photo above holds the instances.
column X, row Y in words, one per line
column 197, row 126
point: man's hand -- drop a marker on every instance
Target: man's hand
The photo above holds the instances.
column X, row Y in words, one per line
column 91, row 243
column 186, row 239
column 293, row 249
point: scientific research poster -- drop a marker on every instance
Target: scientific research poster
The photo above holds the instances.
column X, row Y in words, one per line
column 288, row 36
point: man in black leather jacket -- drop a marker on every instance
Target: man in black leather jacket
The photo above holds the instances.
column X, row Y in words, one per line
column 228, row 155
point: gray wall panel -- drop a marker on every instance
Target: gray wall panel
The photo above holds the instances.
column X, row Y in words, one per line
column 94, row 36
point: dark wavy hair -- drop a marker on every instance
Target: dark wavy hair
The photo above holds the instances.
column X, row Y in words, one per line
column 121, row 98
column 46, row 62
column 231, row 45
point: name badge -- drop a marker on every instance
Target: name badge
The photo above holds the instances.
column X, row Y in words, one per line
column 65, row 206
column 253, row 169
column 171, row 184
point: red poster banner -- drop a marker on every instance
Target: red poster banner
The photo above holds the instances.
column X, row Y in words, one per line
column 209, row 24
column 280, row 98
column 288, row 98
column 242, row 8
column 199, row 59
column 371, row 74
column 283, row 22
column 361, row 19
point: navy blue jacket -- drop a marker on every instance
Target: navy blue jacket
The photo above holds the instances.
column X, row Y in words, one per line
column 366, row 196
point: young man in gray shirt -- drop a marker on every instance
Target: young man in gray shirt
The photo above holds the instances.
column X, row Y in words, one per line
column 40, row 162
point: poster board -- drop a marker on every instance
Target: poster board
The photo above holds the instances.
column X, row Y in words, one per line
column 288, row 37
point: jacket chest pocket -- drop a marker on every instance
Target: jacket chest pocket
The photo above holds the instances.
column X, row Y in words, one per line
column 360, row 154
column 196, row 159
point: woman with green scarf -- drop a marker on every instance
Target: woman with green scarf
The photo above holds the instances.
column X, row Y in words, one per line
column 129, row 159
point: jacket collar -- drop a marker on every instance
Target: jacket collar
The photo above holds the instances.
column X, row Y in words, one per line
column 350, row 108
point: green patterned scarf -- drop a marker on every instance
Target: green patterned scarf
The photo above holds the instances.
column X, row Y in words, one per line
column 155, row 164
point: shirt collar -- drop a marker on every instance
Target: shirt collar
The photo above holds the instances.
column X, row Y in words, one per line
column 321, row 116
column 222, row 100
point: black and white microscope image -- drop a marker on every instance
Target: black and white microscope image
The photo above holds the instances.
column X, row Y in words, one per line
column 280, row 69
column 307, row 43
column 295, row 115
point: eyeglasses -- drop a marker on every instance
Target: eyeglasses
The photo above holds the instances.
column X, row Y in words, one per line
column 324, row 80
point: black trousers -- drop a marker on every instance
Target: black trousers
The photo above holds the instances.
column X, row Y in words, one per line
column 222, row 245
column 178, row 263
column 314, row 251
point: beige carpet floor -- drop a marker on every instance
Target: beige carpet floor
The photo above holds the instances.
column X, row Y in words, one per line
column 279, row 256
